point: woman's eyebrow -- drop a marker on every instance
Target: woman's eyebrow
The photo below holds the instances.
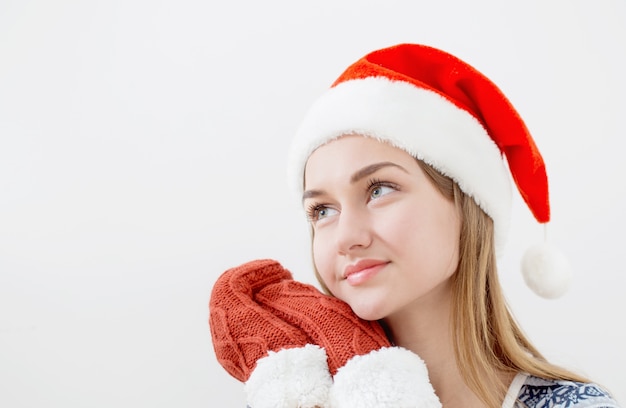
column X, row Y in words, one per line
column 373, row 168
column 311, row 194
column 360, row 174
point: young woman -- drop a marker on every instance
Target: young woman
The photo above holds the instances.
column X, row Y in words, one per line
column 404, row 168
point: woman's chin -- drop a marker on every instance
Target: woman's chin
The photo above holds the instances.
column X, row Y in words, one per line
column 367, row 306
column 367, row 312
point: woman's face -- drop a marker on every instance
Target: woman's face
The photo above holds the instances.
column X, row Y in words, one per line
column 385, row 239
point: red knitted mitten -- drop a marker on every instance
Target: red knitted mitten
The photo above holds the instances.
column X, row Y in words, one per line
column 284, row 338
column 258, row 307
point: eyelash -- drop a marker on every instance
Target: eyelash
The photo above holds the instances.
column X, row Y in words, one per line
column 313, row 210
column 376, row 183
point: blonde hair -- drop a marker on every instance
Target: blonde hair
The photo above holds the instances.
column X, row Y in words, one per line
column 488, row 341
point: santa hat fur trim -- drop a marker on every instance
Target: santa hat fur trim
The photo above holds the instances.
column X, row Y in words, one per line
column 416, row 120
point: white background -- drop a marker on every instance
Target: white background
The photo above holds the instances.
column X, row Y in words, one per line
column 143, row 150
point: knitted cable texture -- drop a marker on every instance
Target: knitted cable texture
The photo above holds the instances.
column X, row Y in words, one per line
column 258, row 307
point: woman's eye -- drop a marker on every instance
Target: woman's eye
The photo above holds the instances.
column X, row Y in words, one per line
column 322, row 213
column 379, row 191
column 319, row 212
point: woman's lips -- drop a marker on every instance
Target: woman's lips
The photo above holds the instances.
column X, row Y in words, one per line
column 363, row 270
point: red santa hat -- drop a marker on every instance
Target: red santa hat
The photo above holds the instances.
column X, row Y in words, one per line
column 443, row 111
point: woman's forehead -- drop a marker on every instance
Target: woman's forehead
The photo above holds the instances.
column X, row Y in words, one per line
column 350, row 153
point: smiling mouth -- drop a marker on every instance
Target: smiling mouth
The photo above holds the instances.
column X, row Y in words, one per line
column 363, row 271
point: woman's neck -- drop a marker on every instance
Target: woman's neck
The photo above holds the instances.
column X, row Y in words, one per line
column 427, row 332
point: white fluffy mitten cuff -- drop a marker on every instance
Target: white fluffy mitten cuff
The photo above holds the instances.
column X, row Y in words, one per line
column 290, row 378
column 389, row 377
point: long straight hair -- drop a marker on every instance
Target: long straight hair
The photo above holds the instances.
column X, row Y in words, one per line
column 488, row 341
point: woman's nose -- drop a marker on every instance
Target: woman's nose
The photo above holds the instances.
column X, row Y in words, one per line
column 353, row 231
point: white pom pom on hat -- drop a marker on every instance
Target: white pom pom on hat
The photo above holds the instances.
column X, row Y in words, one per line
column 443, row 111
column 546, row 271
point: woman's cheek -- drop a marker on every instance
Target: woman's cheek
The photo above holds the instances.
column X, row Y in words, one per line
column 322, row 260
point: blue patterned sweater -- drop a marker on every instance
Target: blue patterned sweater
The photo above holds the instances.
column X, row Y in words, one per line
column 540, row 393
